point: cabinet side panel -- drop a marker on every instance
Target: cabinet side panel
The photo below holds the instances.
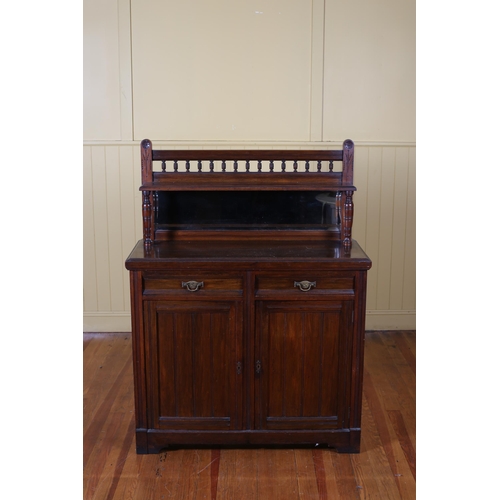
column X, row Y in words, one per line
column 138, row 349
column 358, row 347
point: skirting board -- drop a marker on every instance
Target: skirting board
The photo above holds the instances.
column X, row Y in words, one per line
column 391, row 320
column 102, row 322
column 375, row 320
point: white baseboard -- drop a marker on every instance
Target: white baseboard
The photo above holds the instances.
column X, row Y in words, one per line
column 391, row 320
column 375, row 320
column 102, row 322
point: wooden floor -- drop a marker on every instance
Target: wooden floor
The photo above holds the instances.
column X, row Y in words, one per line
column 384, row 469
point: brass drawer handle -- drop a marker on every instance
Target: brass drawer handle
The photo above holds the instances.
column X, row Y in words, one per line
column 192, row 286
column 304, row 286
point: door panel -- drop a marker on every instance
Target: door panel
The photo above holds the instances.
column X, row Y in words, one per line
column 195, row 348
column 304, row 357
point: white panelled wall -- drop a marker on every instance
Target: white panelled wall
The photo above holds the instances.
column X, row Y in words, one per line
column 250, row 74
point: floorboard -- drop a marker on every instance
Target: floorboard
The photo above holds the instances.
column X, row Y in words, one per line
column 385, row 469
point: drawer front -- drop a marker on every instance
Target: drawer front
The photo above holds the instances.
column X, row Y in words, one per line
column 191, row 283
column 303, row 283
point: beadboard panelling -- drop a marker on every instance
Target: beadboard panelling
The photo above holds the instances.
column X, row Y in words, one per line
column 384, row 225
column 399, row 221
column 89, row 274
column 101, row 240
column 409, row 292
column 111, row 215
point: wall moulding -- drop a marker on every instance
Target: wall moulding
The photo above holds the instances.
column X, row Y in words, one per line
column 256, row 144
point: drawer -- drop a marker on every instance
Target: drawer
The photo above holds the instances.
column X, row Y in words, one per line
column 301, row 283
column 191, row 283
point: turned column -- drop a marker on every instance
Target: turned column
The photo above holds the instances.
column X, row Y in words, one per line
column 147, row 178
column 147, row 221
column 347, row 216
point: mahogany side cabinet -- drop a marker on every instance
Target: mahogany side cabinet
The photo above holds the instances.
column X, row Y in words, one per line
column 248, row 300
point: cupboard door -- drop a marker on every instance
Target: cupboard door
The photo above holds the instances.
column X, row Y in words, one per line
column 194, row 380
column 302, row 364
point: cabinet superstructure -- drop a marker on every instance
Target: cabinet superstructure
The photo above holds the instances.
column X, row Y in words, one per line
column 248, row 330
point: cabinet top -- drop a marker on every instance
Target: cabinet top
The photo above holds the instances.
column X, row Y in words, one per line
column 248, row 254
